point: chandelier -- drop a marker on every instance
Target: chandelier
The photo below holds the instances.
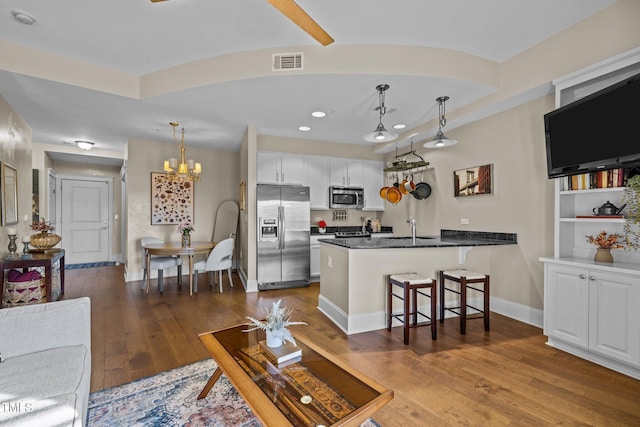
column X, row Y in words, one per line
column 185, row 170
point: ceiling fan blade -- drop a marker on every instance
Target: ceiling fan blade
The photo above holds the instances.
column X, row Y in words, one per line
column 291, row 10
column 157, row 1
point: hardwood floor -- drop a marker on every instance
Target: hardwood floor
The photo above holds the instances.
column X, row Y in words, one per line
column 505, row 377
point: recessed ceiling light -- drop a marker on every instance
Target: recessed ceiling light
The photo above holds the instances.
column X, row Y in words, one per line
column 23, row 17
column 304, row 128
column 399, row 126
column 318, row 114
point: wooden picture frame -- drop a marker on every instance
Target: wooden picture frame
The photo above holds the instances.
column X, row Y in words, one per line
column 172, row 201
column 9, row 187
column 473, row 181
column 243, row 195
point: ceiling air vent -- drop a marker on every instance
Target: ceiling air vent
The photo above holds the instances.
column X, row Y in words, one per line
column 286, row 61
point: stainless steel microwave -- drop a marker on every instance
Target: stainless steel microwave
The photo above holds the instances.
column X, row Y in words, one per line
column 346, row 198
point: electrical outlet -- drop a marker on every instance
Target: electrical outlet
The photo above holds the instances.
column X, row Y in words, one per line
column 464, row 221
column 329, row 262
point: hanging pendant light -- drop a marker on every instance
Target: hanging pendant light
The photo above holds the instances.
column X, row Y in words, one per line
column 381, row 134
column 440, row 140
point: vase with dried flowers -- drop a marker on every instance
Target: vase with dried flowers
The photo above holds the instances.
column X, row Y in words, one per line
column 605, row 243
column 185, row 230
column 322, row 226
column 43, row 239
column 275, row 325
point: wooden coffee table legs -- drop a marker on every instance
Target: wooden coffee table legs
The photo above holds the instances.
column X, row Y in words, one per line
column 207, row 388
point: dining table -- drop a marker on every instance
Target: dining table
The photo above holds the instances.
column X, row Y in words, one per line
column 176, row 249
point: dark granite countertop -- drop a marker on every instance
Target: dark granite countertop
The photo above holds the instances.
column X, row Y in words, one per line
column 447, row 238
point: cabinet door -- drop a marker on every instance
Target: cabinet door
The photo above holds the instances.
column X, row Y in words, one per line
column 317, row 178
column 373, row 181
column 355, row 173
column 315, row 262
column 614, row 328
column 268, row 167
column 338, row 177
column 566, row 304
column 292, row 166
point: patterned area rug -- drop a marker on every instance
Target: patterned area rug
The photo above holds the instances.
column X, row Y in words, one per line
column 170, row 399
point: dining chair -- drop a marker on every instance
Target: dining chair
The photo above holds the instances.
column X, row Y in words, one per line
column 219, row 259
column 159, row 263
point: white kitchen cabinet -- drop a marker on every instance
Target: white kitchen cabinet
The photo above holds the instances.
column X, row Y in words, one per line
column 373, row 172
column 346, row 172
column 279, row 168
column 315, row 255
column 593, row 311
column 317, row 179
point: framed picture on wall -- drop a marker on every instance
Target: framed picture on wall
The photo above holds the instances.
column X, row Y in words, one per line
column 473, row 181
column 172, row 201
column 9, row 184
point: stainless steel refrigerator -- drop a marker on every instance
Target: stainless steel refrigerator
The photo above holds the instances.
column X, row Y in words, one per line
column 283, row 236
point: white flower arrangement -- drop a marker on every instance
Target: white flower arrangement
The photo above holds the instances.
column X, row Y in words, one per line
column 185, row 227
column 276, row 322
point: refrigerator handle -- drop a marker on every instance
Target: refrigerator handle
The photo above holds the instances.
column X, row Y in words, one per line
column 281, row 226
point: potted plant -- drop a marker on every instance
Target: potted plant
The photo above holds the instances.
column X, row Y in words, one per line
column 322, row 226
column 43, row 239
column 605, row 244
column 185, row 230
column 631, row 197
column 275, row 325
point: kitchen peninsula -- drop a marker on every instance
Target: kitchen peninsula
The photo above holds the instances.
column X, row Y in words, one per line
column 353, row 271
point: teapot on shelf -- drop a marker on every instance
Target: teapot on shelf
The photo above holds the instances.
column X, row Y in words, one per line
column 608, row 209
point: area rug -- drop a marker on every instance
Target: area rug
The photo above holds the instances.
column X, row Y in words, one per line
column 170, row 399
column 89, row 265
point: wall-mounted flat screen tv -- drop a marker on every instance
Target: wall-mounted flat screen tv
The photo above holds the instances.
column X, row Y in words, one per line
column 598, row 132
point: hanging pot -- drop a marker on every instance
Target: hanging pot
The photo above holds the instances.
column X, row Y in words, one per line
column 422, row 190
column 409, row 185
column 394, row 195
column 383, row 192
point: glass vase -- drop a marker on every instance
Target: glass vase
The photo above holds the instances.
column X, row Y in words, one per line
column 186, row 239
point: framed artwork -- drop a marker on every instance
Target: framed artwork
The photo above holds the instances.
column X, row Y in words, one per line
column 243, row 195
column 473, row 181
column 9, row 183
column 172, row 201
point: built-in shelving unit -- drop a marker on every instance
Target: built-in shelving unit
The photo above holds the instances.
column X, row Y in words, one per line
column 591, row 309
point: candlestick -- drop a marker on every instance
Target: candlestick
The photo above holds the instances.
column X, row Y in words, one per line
column 26, row 239
column 25, row 251
column 12, row 244
column 11, row 231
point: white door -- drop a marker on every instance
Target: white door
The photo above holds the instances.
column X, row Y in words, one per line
column 85, row 214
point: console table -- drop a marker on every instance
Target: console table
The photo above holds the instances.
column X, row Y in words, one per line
column 46, row 259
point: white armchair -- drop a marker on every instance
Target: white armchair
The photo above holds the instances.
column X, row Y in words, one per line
column 158, row 263
column 219, row 259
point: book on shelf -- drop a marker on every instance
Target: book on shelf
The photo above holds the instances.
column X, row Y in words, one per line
column 287, row 351
column 601, row 179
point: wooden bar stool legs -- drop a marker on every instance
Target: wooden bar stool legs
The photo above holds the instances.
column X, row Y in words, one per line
column 466, row 280
column 411, row 285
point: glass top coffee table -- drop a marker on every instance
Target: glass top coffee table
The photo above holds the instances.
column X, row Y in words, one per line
column 315, row 389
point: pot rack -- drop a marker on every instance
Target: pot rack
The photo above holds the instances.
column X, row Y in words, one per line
column 400, row 164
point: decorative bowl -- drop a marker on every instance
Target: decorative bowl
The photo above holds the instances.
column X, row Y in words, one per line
column 44, row 240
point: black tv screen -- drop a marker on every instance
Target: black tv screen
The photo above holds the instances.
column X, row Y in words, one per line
column 598, row 132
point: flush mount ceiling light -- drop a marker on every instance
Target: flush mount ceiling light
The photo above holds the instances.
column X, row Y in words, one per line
column 85, row 145
column 23, row 17
column 318, row 114
column 399, row 126
column 440, row 140
column 381, row 134
column 304, row 128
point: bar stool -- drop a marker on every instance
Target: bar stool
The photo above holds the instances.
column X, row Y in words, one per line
column 411, row 283
column 466, row 280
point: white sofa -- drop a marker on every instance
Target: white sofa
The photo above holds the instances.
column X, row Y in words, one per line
column 45, row 372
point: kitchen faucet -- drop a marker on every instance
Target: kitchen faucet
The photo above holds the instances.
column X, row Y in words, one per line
column 412, row 224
